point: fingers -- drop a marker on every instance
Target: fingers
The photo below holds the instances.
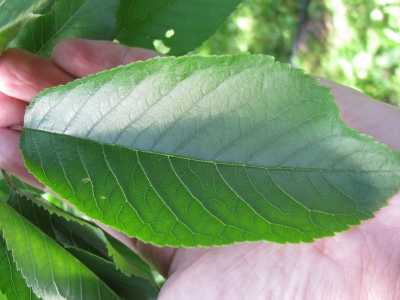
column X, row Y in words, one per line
column 84, row 57
column 11, row 157
column 11, row 111
column 23, row 74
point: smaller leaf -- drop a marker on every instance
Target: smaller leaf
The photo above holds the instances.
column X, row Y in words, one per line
column 92, row 19
column 125, row 286
column 12, row 284
column 50, row 270
column 128, row 261
column 179, row 26
column 13, row 12
column 4, row 188
column 15, row 15
column 74, row 232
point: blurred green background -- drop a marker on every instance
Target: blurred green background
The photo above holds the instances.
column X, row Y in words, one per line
column 353, row 42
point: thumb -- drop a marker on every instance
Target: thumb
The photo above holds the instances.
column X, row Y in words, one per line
column 81, row 58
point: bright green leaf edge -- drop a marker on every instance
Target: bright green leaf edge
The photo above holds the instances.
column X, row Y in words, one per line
column 127, row 287
column 376, row 179
column 124, row 258
column 50, row 270
column 12, row 284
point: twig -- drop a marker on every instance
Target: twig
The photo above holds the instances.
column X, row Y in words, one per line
column 12, row 185
column 16, row 127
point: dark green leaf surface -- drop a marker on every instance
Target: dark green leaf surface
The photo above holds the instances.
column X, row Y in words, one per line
column 126, row 287
column 4, row 188
column 12, row 284
column 193, row 22
column 207, row 151
column 90, row 238
column 73, row 232
column 51, row 271
column 91, row 245
column 92, row 19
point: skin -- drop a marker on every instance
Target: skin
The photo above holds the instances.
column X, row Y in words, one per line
column 361, row 263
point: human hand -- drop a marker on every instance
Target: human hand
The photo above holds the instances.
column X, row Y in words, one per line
column 361, row 263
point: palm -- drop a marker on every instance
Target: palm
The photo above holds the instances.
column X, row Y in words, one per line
column 358, row 264
column 362, row 262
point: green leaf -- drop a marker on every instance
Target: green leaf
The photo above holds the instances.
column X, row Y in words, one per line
column 201, row 151
column 15, row 15
column 71, row 231
column 50, row 270
column 7, row 35
column 12, row 284
column 179, row 25
column 126, row 287
column 91, row 240
column 92, row 19
column 74, row 232
column 4, row 188
column 128, row 261
column 13, row 12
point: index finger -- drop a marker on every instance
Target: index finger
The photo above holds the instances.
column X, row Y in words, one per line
column 23, row 74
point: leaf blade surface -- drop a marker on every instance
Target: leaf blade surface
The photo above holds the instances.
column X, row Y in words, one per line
column 191, row 23
column 207, row 151
column 48, row 269
column 14, row 11
column 69, row 19
column 12, row 284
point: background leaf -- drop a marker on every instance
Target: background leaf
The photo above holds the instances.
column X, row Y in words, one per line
column 92, row 19
column 49, row 270
column 77, row 233
column 14, row 11
column 128, row 261
column 92, row 239
column 180, row 25
column 126, row 287
column 207, row 151
column 12, row 284
column 4, row 188
column 15, row 14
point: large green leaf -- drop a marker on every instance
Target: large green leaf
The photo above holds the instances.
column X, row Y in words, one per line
column 12, row 284
column 181, row 25
column 92, row 19
column 50, row 270
column 207, row 151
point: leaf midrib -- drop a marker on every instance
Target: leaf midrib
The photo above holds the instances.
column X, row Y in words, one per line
column 219, row 163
